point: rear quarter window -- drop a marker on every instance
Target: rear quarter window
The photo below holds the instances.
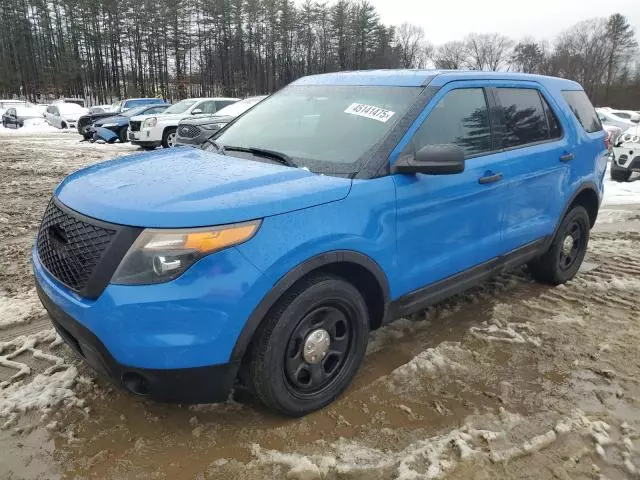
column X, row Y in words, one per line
column 583, row 110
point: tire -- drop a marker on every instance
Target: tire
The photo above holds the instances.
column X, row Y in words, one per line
column 169, row 138
column 563, row 259
column 291, row 382
column 619, row 174
column 63, row 125
column 122, row 134
column 147, row 148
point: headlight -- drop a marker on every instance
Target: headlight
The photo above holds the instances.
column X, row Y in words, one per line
column 213, row 126
column 107, row 125
column 160, row 255
column 150, row 122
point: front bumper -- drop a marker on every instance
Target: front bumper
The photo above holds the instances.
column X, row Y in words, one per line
column 628, row 156
column 184, row 385
column 178, row 336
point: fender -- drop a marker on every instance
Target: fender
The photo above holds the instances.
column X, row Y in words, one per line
column 583, row 187
column 295, row 274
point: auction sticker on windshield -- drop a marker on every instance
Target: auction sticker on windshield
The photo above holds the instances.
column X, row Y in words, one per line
column 369, row 111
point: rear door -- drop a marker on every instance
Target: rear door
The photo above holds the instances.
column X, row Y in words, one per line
column 536, row 153
column 447, row 224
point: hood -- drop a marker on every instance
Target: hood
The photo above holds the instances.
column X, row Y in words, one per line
column 95, row 116
column 162, row 117
column 204, row 120
column 187, row 187
column 119, row 119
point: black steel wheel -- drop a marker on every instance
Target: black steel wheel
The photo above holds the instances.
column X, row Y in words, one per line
column 569, row 246
column 309, row 347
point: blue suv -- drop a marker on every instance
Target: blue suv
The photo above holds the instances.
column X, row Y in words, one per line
column 338, row 204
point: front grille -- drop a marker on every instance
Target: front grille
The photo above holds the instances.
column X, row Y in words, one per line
column 71, row 248
column 134, row 126
column 188, row 131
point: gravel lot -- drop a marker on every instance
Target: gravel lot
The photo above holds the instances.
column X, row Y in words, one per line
column 510, row 380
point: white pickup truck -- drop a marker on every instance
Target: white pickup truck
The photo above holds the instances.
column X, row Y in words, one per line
column 151, row 131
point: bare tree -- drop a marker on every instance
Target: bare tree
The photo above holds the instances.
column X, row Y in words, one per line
column 450, row 56
column 410, row 42
column 487, row 51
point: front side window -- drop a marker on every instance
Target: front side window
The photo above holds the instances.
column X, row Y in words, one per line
column 325, row 128
column 207, row 107
column 460, row 118
column 583, row 110
column 220, row 104
column 523, row 117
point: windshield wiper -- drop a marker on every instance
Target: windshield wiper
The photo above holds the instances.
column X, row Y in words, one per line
column 279, row 157
column 219, row 148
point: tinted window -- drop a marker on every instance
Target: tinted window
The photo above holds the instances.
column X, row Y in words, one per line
column 11, row 111
column 158, row 109
column 622, row 115
column 460, row 118
column 555, row 130
column 523, row 119
column 583, row 110
column 220, row 104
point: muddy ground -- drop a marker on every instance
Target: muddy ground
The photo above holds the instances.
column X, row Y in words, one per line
column 509, row 380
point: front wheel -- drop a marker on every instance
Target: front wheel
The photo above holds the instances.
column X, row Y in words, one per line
column 309, row 347
column 169, row 138
column 122, row 134
column 565, row 255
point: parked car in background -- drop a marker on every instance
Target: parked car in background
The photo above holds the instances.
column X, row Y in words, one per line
column 626, row 155
column 608, row 118
column 119, row 124
column 15, row 117
column 336, row 205
column 151, row 131
column 78, row 101
column 64, row 115
column 625, row 114
column 195, row 130
column 117, row 107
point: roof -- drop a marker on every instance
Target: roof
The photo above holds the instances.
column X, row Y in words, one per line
column 417, row 78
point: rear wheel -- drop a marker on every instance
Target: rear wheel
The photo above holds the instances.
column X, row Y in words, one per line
column 567, row 250
column 309, row 347
column 169, row 138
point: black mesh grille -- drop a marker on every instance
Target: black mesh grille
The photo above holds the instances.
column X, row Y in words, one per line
column 69, row 247
column 134, row 126
column 188, row 131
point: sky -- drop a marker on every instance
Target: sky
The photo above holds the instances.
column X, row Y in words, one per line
column 542, row 19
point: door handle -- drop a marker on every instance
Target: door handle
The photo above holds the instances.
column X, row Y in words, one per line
column 567, row 157
column 490, row 178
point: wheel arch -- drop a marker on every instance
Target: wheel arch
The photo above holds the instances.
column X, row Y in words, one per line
column 359, row 269
column 586, row 196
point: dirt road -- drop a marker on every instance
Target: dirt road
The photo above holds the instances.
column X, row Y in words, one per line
column 510, row 380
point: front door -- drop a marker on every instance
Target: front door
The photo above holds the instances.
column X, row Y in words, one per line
column 447, row 224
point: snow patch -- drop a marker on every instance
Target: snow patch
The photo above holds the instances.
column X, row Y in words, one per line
column 500, row 329
column 620, row 193
column 19, row 309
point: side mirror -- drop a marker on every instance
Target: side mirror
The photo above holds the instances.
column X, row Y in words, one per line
column 432, row 160
column 196, row 111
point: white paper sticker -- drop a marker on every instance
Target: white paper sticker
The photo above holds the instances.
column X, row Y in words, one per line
column 369, row 111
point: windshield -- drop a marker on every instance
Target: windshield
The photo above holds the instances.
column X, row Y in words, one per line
column 238, row 108
column 181, row 107
column 325, row 128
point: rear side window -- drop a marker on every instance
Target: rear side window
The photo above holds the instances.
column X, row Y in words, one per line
column 555, row 130
column 582, row 109
column 460, row 118
column 523, row 117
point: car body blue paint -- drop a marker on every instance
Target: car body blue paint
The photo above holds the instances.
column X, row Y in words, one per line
column 417, row 228
column 190, row 187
